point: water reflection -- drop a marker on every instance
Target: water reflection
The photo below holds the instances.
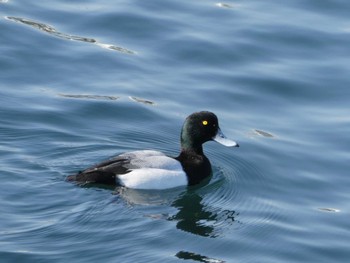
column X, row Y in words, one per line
column 195, row 217
column 196, row 257
column 192, row 214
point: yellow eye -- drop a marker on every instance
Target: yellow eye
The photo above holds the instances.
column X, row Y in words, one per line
column 205, row 122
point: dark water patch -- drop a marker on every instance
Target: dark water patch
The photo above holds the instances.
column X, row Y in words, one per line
column 185, row 255
column 329, row 209
column 225, row 5
column 53, row 32
column 94, row 97
column 263, row 133
column 143, row 101
column 105, row 97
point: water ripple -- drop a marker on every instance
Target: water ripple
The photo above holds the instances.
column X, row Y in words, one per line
column 52, row 31
column 237, row 190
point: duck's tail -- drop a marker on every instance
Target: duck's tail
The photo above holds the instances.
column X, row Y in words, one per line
column 90, row 177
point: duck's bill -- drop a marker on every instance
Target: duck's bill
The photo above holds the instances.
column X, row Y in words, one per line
column 222, row 139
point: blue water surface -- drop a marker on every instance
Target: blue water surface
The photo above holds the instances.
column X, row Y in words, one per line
column 81, row 81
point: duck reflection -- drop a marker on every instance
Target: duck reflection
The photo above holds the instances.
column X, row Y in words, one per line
column 192, row 215
column 197, row 218
column 185, row 255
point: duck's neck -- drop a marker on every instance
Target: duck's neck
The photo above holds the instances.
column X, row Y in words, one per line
column 190, row 145
column 198, row 151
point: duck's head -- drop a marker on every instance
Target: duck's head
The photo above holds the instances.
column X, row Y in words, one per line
column 201, row 127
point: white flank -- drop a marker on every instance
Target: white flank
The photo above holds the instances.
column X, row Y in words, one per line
column 154, row 170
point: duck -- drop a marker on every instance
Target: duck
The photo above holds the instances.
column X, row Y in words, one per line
column 151, row 169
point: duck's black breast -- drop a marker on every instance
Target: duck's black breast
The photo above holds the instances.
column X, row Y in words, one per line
column 196, row 166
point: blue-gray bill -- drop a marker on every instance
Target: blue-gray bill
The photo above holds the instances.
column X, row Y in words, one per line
column 222, row 139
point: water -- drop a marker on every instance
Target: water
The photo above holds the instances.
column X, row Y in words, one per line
column 82, row 81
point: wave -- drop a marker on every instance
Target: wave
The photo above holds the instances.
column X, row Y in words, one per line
column 53, row 32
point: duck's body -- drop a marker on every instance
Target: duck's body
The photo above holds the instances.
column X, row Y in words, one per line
column 150, row 169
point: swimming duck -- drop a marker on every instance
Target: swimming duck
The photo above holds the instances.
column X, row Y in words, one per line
column 149, row 169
